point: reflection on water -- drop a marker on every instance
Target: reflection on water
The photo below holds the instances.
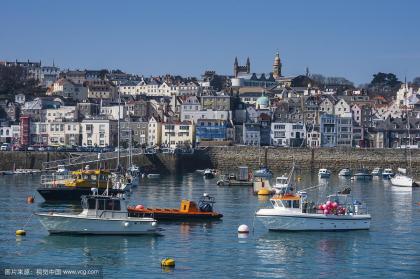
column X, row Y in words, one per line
column 214, row 249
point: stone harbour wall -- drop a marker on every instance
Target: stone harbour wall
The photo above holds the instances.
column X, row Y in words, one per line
column 228, row 158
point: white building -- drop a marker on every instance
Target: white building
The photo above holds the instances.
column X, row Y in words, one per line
column 111, row 112
column 342, row 108
column 176, row 134
column 64, row 113
column 251, row 134
column 68, row 89
column 154, row 132
column 287, row 134
column 99, row 132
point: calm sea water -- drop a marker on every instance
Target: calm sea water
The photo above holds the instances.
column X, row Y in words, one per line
column 391, row 249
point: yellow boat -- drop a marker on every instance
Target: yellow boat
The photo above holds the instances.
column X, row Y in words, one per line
column 78, row 183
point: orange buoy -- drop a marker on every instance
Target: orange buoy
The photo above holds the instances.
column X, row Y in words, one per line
column 30, row 199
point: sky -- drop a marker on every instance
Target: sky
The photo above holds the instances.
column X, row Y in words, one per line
column 352, row 39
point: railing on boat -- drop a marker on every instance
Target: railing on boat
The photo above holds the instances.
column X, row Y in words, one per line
column 53, row 180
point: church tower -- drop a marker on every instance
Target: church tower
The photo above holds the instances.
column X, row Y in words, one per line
column 237, row 69
column 277, row 66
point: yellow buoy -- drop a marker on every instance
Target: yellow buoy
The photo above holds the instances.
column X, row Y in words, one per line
column 299, row 178
column 20, row 232
column 264, row 192
column 167, row 262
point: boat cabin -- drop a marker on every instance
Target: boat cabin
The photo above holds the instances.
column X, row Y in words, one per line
column 104, row 206
column 282, row 180
column 89, row 178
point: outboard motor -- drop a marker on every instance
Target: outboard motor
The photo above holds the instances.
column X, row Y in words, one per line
column 206, row 202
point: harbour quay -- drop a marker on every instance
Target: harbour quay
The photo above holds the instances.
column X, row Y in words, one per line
column 227, row 158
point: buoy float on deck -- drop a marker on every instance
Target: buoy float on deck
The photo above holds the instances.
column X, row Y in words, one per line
column 243, row 229
column 30, row 199
column 263, row 192
column 167, row 262
column 20, row 232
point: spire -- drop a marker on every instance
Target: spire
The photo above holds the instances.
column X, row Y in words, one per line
column 236, row 61
column 247, row 61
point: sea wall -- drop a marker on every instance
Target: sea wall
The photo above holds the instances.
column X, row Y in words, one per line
column 281, row 159
column 230, row 157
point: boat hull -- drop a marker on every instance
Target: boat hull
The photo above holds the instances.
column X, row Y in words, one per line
column 314, row 222
column 67, row 224
column 64, row 193
column 162, row 216
column 363, row 177
column 402, row 181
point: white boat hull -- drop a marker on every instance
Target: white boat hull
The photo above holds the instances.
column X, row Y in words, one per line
column 73, row 224
column 402, row 181
column 312, row 222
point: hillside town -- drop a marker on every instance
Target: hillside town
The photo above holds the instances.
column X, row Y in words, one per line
column 82, row 109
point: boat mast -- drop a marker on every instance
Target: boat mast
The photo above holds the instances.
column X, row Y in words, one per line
column 408, row 128
column 118, row 144
column 130, row 158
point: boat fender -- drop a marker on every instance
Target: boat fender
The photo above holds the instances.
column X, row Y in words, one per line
column 126, row 224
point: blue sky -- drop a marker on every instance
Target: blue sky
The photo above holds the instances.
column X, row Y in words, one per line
column 354, row 39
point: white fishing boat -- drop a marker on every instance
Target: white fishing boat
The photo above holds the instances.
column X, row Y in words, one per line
column 402, row 180
column 345, row 172
column 377, row 172
column 387, row 174
column 324, row 173
column 293, row 212
column 209, row 173
column 284, row 182
column 101, row 215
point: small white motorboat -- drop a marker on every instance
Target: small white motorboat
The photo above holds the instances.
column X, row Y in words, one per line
column 153, row 175
column 101, row 215
column 387, row 174
column 402, row 180
column 282, row 183
column 293, row 212
column 209, row 173
column 324, row 173
column 377, row 172
column 345, row 172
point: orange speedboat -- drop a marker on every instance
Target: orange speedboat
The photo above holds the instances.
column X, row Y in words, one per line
column 188, row 210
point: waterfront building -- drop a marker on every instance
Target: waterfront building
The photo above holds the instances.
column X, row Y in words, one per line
column 251, row 134
column 393, row 133
column 328, row 130
column 138, row 130
column 209, row 130
column 99, row 132
column 345, row 130
column 154, row 132
column 177, row 134
column 313, row 138
column 288, row 134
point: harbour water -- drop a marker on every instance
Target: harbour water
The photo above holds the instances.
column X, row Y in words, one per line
column 390, row 249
